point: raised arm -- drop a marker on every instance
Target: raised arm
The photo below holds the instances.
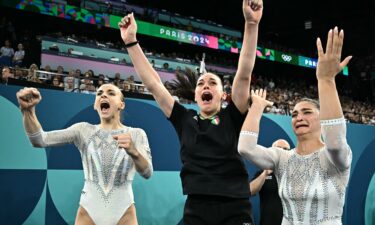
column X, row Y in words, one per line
column 28, row 98
column 148, row 75
column 331, row 115
column 252, row 10
column 247, row 144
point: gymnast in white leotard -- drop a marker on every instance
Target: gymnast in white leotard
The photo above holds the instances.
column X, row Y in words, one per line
column 110, row 151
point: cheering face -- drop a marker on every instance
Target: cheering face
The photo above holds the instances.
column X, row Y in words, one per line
column 109, row 101
column 209, row 93
column 305, row 119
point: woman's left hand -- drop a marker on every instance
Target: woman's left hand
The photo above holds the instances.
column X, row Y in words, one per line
column 125, row 142
column 329, row 62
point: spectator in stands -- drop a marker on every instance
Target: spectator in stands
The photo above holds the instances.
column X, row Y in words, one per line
column 6, row 54
column 117, row 80
column 19, row 55
column 57, row 82
column 213, row 174
column 60, row 70
column 304, row 173
column 87, row 85
column 32, row 71
column 106, row 198
column 69, row 85
column 100, row 83
column 5, row 75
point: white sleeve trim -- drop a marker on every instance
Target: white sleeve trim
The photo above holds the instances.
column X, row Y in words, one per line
column 333, row 122
column 249, row 133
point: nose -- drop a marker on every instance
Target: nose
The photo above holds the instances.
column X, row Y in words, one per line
column 299, row 117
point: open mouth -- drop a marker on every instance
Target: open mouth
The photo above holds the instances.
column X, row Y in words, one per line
column 207, row 97
column 301, row 125
column 104, row 107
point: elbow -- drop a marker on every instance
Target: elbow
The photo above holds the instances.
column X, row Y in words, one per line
column 244, row 150
column 147, row 173
column 37, row 144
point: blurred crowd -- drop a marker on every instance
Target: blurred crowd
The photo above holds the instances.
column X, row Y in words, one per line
column 20, row 54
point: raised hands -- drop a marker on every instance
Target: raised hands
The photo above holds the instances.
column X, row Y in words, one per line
column 28, row 98
column 252, row 10
column 258, row 98
column 128, row 28
column 125, row 141
column 329, row 62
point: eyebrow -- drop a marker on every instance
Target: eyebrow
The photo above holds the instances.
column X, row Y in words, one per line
column 302, row 110
column 210, row 79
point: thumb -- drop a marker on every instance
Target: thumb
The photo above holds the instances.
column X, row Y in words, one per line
column 345, row 61
column 132, row 20
column 115, row 137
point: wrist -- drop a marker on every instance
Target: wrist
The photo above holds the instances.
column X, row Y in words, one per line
column 29, row 111
column 134, row 154
column 330, row 81
column 131, row 44
column 130, row 40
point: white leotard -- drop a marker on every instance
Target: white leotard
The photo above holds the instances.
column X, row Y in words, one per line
column 108, row 170
column 311, row 187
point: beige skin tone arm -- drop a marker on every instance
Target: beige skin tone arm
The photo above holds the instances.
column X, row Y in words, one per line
column 328, row 67
column 125, row 142
column 28, row 98
column 257, row 184
column 148, row 75
column 252, row 11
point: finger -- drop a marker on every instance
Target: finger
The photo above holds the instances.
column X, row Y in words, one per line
column 245, row 3
column 115, row 137
column 35, row 93
column 336, row 41
column 319, row 47
column 329, row 42
column 257, row 92
column 261, row 92
column 132, row 17
column 264, row 93
column 345, row 61
column 269, row 103
column 340, row 44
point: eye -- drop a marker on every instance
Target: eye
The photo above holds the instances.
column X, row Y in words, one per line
column 200, row 84
column 112, row 93
column 294, row 115
column 99, row 93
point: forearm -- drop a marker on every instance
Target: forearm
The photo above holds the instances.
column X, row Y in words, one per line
column 241, row 82
column 248, row 52
column 257, row 184
column 330, row 107
column 143, row 167
column 338, row 150
column 253, row 118
column 30, row 121
column 148, row 75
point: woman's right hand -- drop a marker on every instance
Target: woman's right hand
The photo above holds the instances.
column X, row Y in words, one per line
column 28, row 98
column 128, row 28
column 258, row 97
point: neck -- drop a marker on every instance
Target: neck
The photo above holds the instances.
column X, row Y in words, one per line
column 207, row 115
column 307, row 144
column 110, row 124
